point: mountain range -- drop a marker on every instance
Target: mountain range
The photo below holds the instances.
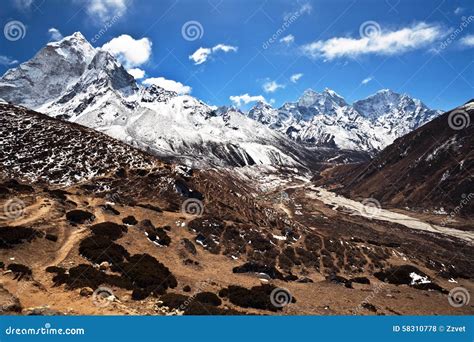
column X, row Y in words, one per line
column 94, row 213
column 74, row 81
column 326, row 119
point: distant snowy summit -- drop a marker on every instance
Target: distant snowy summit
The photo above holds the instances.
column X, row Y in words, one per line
column 72, row 80
column 326, row 119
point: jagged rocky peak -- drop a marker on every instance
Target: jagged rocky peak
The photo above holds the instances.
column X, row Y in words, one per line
column 387, row 104
column 369, row 124
column 156, row 93
column 75, row 45
column 263, row 112
column 53, row 69
column 327, row 98
column 107, row 67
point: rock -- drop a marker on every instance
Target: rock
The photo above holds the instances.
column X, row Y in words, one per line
column 369, row 307
column 86, row 292
column 333, row 278
column 304, row 280
column 129, row 220
column 360, row 280
column 104, row 265
column 42, row 311
column 8, row 302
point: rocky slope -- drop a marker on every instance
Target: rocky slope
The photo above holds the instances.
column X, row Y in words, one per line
column 430, row 167
column 326, row 119
column 92, row 226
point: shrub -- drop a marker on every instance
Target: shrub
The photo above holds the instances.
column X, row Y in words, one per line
column 79, row 216
column 112, row 231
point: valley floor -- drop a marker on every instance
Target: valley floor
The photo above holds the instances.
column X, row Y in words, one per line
column 353, row 247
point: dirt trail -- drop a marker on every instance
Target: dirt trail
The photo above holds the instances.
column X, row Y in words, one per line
column 32, row 213
column 70, row 242
column 360, row 209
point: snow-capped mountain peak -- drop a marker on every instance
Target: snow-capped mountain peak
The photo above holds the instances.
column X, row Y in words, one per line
column 327, row 119
column 99, row 93
column 53, row 69
column 324, row 103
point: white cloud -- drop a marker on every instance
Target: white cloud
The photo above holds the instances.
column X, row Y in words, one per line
column 170, row 85
column 295, row 78
column 106, row 9
column 304, row 8
column 458, row 10
column 130, row 52
column 385, row 43
column 287, row 39
column 54, row 34
column 271, row 86
column 366, row 80
column 5, row 60
column 225, row 48
column 137, row 73
column 246, row 99
column 468, row 40
column 201, row 55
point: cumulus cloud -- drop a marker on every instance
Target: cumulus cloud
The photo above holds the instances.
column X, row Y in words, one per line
column 106, row 9
column 287, row 39
column 295, row 78
column 246, row 99
column 201, row 55
column 137, row 73
column 170, row 85
column 5, row 60
column 467, row 41
column 54, row 34
column 366, row 80
column 271, row 86
column 383, row 43
column 129, row 51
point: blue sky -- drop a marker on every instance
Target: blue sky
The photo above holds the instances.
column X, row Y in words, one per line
column 247, row 50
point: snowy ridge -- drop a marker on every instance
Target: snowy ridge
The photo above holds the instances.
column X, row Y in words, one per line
column 74, row 81
column 326, row 119
column 100, row 94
